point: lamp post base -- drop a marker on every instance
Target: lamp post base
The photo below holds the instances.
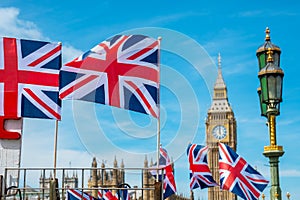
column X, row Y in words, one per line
column 273, row 152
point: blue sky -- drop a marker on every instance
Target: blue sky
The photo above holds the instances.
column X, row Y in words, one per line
column 193, row 35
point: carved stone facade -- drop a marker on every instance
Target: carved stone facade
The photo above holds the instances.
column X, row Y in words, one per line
column 113, row 177
column 70, row 181
column 106, row 178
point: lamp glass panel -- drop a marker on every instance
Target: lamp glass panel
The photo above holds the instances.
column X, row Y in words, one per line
column 276, row 59
column 279, row 87
column 272, row 87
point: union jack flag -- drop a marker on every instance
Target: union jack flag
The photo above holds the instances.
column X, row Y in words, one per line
column 121, row 71
column 167, row 176
column 105, row 194
column 73, row 194
column 29, row 78
column 237, row 176
column 124, row 194
column 200, row 174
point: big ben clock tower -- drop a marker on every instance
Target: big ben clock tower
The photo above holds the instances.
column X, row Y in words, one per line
column 220, row 127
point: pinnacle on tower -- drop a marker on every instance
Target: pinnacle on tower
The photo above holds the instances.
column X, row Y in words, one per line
column 115, row 162
column 94, row 163
column 220, row 81
column 146, row 161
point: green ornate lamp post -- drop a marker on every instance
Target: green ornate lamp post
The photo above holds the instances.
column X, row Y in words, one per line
column 270, row 95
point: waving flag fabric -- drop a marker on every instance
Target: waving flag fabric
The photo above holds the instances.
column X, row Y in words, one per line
column 167, row 177
column 124, row 194
column 237, row 176
column 73, row 194
column 29, row 78
column 200, row 174
column 105, row 194
column 121, row 71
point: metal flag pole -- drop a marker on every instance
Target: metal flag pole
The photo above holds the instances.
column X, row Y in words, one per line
column 55, row 141
column 55, row 148
column 158, row 119
column 158, row 113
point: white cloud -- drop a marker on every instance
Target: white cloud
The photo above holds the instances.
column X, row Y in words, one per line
column 69, row 53
column 12, row 26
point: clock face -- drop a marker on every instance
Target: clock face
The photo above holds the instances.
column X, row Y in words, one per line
column 219, row 132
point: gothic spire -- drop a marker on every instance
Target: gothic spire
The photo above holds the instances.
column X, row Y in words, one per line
column 94, row 163
column 115, row 162
column 220, row 98
column 220, row 81
column 146, row 161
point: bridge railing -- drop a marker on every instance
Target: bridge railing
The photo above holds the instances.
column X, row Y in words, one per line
column 52, row 183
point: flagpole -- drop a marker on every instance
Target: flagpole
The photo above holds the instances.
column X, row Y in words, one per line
column 158, row 114
column 55, row 148
column 55, row 142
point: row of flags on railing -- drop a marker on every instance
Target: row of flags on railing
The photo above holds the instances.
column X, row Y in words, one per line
column 103, row 194
column 236, row 175
column 121, row 71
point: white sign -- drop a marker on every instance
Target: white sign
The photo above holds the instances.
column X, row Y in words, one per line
column 10, row 148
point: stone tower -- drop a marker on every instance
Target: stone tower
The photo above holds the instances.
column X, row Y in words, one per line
column 220, row 127
column 102, row 177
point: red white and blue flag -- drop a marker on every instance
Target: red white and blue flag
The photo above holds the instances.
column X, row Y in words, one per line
column 73, row 194
column 124, row 194
column 105, row 194
column 237, row 176
column 121, row 71
column 167, row 176
column 200, row 174
column 29, row 78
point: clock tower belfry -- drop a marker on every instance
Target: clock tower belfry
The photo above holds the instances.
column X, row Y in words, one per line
column 220, row 127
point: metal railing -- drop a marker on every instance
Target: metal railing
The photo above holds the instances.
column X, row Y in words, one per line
column 40, row 183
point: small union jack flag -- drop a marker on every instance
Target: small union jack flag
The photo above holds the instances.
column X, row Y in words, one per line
column 237, row 176
column 73, row 194
column 200, row 174
column 105, row 194
column 121, row 71
column 167, row 176
column 29, row 78
column 123, row 193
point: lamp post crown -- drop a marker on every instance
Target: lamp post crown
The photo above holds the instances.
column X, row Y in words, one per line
column 270, row 75
column 267, row 44
column 262, row 51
